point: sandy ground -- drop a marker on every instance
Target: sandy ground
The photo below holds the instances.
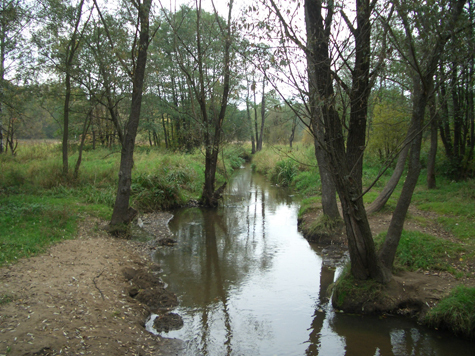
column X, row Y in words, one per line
column 74, row 300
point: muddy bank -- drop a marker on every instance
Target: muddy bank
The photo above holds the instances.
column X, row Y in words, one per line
column 88, row 296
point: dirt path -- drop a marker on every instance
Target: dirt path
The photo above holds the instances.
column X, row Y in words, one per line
column 74, row 300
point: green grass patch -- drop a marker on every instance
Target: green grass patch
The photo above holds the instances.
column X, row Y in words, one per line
column 454, row 202
column 455, row 312
column 29, row 226
column 310, row 204
column 5, row 299
column 417, row 250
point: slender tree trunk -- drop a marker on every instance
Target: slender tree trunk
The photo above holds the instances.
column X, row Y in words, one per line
column 255, row 119
column 388, row 189
column 253, row 143
column 431, row 181
column 388, row 250
column 72, row 47
column 122, row 214
column 85, row 128
column 263, row 115
column 165, row 134
column 67, row 99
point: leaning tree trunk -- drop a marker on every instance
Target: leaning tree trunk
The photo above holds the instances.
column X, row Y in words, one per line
column 388, row 250
column 388, row 189
column 122, row 214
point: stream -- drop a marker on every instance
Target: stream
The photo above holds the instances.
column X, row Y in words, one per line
column 249, row 283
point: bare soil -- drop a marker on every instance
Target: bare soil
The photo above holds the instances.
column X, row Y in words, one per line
column 409, row 293
column 87, row 296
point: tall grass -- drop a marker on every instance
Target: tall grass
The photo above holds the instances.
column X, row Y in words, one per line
column 39, row 206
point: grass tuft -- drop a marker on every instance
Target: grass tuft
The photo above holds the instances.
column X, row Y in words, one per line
column 455, row 312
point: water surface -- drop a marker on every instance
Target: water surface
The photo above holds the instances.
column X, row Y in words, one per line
column 250, row 284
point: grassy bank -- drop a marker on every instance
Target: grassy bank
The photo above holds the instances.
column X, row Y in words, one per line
column 39, row 206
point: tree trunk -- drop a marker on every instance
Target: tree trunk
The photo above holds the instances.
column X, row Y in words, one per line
column 249, row 119
column 67, row 98
column 364, row 261
column 122, row 214
column 388, row 189
column 255, row 118
column 210, row 196
column 1, row 134
column 72, row 47
column 434, row 124
column 263, row 115
column 85, row 128
column 165, row 134
column 388, row 250
column 329, row 203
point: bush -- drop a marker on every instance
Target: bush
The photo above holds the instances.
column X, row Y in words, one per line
column 155, row 192
column 284, row 172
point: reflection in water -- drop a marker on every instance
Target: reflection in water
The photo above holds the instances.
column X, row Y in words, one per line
column 250, row 284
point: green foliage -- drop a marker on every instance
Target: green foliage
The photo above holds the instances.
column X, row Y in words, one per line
column 236, row 156
column 391, row 116
column 154, row 192
column 455, row 312
column 284, row 172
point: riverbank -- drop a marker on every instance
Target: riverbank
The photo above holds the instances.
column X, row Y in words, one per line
column 410, row 293
column 75, row 299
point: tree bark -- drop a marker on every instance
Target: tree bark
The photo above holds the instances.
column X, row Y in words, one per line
column 344, row 168
column 434, row 124
column 122, row 214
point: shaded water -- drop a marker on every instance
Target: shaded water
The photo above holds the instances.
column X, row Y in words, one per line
column 250, row 284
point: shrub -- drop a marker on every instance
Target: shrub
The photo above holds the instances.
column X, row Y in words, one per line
column 284, row 172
